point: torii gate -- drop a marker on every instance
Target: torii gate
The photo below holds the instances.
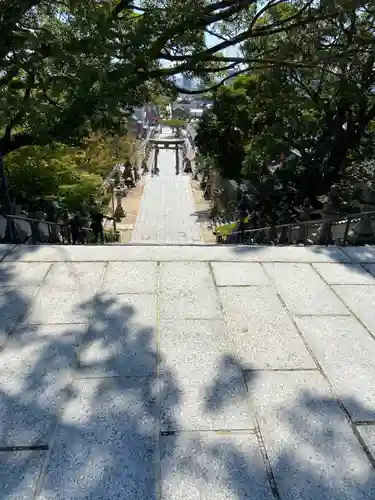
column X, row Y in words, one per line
column 176, row 144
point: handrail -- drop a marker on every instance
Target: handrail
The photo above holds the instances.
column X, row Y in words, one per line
column 30, row 219
column 316, row 222
column 58, row 232
column 42, row 221
column 65, row 235
column 282, row 233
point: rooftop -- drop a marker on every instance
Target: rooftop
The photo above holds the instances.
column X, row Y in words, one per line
column 184, row 372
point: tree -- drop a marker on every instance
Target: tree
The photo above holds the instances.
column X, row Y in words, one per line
column 235, row 23
column 224, row 130
column 60, row 78
column 38, row 172
column 99, row 152
column 71, row 175
column 324, row 110
column 71, row 67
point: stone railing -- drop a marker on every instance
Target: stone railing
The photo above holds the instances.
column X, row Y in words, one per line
column 337, row 230
column 26, row 230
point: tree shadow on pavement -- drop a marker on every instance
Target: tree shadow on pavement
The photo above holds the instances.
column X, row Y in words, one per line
column 15, row 293
column 80, row 410
column 312, row 450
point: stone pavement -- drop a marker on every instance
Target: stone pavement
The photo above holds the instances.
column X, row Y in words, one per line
column 167, row 208
column 201, row 372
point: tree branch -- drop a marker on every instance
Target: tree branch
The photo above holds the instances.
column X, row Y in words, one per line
column 200, row 21
column 208, row 89
column 122, row 5
column 46, row 96
column 264, row 31
column 10, row 15
column 313, row 95
column 26, row 98
column 260, row 60
column 8, row 144
column 210, row 32
column 271, row 3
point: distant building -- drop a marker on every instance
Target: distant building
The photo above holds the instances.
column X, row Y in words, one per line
column 143, row 117
column 196, row 112
column 179, row 113
column 232, row 76
column 140, row 114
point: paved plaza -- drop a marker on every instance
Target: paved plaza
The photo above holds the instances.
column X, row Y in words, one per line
column 167, row 213
column 190, row 372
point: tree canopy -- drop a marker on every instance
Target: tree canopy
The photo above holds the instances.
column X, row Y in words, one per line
column 322, row 106
column 72, row 176
column 71, row 67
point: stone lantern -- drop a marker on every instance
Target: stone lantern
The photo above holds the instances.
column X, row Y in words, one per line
column 127, row 175
column 364, row 231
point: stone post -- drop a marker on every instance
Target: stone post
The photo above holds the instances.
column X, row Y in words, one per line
column 285, row 236
column 136, row 173
column 177, row 160
column 261, row 237
column 330, row 210
column 304, row 216
column 323, row 235
column 155, row 169
column 119, row 212
column 363, row 233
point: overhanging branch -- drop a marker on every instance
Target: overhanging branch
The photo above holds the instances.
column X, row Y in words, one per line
column 200, row 20
column 214, row 87
column 45, row 94
column 210, row 32
column 9, row 144
column 21, row 112
column 192, row 59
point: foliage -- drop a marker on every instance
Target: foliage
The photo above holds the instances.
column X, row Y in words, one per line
column 162, row 102
column 325, row 111
column 85, row 191
column 174, row 123
column 59, row 75
column 223, row 130
column 99, row 152
column 71, row 67
column 35, row 172
column 110, row 236
column 71, row 175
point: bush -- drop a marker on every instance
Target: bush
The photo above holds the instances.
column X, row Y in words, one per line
column 176, row 123
column 110, row 236
column 73, row 176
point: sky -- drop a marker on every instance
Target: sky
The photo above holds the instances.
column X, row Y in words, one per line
column 210, row 39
